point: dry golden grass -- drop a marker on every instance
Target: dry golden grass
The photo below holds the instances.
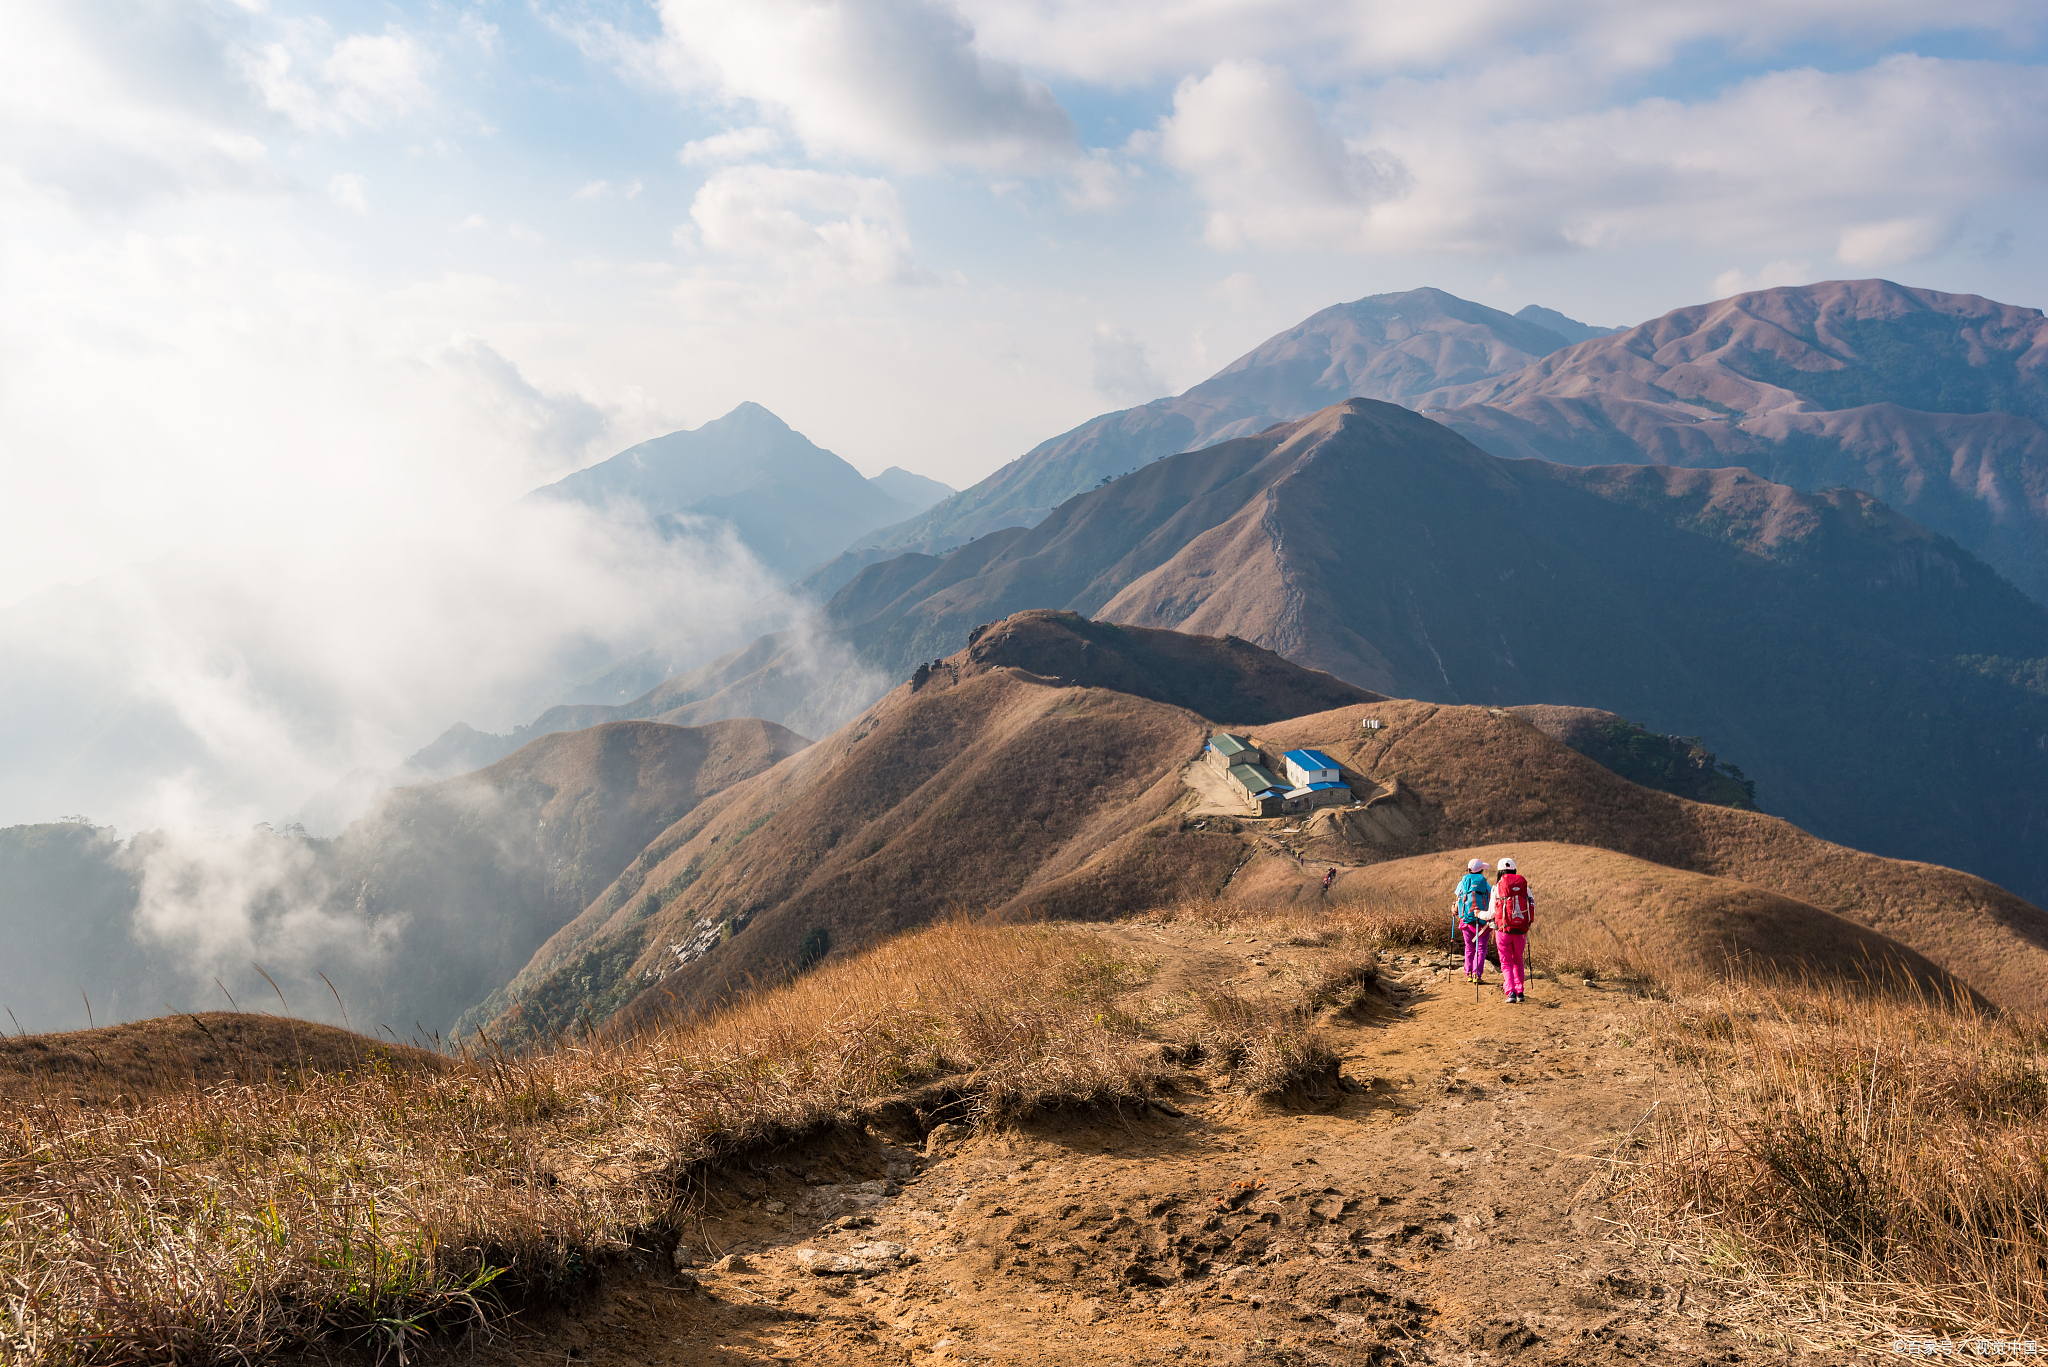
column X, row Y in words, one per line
column 1374, row 919
column 384, row 1205
column 1882, row 1160
column 1858, row 1155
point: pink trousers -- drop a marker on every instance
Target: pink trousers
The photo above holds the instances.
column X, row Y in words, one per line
column 1475, row 940
column 1512, row 949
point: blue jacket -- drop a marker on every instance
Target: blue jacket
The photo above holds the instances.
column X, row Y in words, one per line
column 1474, row 893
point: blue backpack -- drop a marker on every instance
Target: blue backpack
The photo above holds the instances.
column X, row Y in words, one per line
column 1474, row 892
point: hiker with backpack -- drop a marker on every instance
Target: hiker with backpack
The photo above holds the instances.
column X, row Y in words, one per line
column 1514, row 911
column 1474, row 895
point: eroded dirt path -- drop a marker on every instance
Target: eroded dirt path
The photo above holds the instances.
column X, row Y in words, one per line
column 1449, row 1205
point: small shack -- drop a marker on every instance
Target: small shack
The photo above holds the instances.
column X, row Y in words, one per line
column 1262, row 792
column 1224, row 751
column 1308, row 767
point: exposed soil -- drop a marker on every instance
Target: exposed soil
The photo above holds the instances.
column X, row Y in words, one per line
column 1447, row 1202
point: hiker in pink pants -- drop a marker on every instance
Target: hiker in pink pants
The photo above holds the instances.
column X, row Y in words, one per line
column 1474, row 892
column 1514, row 911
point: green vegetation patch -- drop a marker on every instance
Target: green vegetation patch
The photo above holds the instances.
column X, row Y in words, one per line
column 1670, row 764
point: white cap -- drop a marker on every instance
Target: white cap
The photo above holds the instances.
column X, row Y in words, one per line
column 1476, row 865
column 1507, row 866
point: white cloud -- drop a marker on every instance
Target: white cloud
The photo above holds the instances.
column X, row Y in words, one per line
column 1126, row 42
column 366, row 80
column 740, row 144
column 1737, row 281
column 347, row 190
column 106, row 108
column 1897, row 241
column 834, row 229
column 1124, row 372
column 1790, row 157
column 377, row 77
column 1272, row 172
column 604, row 189
column 1101, row 182
column 1802, row 160
column 897, row 81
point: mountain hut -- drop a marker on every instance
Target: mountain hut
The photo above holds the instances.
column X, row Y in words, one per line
column 1225, row 750
column 1262, row 792
column 1306, row 767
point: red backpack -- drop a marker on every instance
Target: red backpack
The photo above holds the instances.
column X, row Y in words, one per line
column 1513, row 911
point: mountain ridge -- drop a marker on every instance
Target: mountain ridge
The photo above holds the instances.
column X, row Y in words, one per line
column 1379, row 546
column 1051, row 795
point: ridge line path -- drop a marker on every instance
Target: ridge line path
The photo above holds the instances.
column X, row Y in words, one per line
column 1447, row 1204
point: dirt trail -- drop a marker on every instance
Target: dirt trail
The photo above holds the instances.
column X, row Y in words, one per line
column 1446, row 1205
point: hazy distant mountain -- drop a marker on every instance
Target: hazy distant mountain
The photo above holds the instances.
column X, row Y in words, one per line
column 416, row 912
column 910, row 488
column 1571, row 329
column 1873, row 678
column 1396, row 347
column 791, row 502
column 1936, row 403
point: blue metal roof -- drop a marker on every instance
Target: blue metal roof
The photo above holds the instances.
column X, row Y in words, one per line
column 1310, row 759
column 1324, row 786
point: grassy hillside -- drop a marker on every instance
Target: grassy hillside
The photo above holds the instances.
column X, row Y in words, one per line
column 1468, row 776
column 1036, row 794
column 1008, row 776
column 125, row 1064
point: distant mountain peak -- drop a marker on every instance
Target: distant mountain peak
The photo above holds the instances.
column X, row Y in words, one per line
column 749, row 413
column 791, row 501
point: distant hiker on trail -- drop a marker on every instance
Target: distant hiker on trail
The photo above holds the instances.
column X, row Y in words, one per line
column 1514, row 911
column 1328, row 879
column 1474, row 894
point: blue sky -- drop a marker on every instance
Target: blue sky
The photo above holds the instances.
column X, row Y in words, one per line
column 300, row 296
column 300, row 267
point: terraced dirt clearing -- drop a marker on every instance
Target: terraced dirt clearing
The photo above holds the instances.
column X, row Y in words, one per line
column 1448, row 1203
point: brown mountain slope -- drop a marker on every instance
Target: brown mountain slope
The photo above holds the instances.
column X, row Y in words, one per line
column 1471, row 776
column 125, row 1062
column 1933, row 402
column 478, row 871
column 1010, row 776
column 992, row 786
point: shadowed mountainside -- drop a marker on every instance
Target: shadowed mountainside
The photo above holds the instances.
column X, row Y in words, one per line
column 1935, row 403
column 1670, row 764
column 992, row 784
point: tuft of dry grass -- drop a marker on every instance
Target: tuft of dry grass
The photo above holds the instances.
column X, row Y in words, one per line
column 1267, row 1046
column 381, row 1205
column 1886, row 1156
column 1395, row 919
